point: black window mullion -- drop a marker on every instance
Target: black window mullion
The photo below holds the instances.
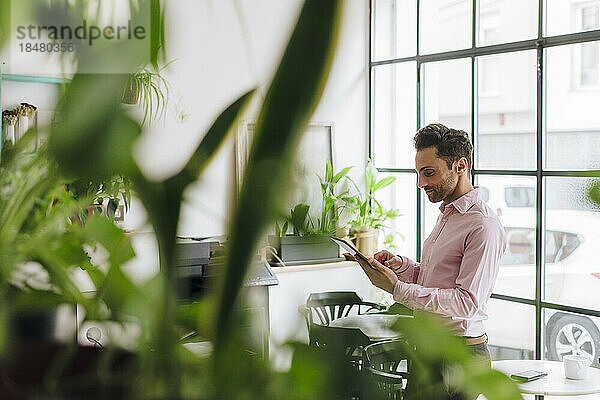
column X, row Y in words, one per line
column 539, row 212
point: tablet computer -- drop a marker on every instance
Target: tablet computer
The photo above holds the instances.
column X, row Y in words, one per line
column 349, row 247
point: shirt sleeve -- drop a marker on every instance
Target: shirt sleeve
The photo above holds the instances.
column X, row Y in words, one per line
column 409, row 271
column 484, row 247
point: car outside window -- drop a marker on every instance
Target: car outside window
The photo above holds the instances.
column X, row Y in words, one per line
column 519, row 196
column 521, row 246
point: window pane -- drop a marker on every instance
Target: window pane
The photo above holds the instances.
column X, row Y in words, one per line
column 572, row 220
column 394, row 27
column 504, row 22
column 394, row 114
column 512, row 198
column 445, row 25
column 446, row 93
column 402, row 196
column 516, row 342
column 572, row 118
column 571, row 16
column 507, row 111
column 567, row 333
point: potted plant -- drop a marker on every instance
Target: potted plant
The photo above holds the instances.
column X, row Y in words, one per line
column 151, row 88
column 310, row 241
column 368, row 215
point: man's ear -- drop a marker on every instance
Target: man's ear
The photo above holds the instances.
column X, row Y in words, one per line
column 462, row 166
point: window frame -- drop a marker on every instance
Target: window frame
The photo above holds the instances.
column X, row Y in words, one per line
column 539, row 44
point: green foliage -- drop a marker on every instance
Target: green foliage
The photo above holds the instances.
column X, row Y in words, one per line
column 280, row 123
column 329, row 214
column 299, row 217
column 440, row 360
column 38, row 230
column 300, row 220
column 367, row 211
column 152, row 89
column 594, row 192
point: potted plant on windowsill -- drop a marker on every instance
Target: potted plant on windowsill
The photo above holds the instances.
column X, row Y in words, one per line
column 368, row 215
column 310, row 241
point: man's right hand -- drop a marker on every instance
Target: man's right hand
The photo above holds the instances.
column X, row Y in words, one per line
column 388, row 259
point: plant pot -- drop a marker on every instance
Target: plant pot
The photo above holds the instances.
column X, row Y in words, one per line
column 366, row 242
column 131, row 94
column 304, row 249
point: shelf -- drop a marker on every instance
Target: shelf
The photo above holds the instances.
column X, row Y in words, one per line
column 34, row 79
column 26, row 79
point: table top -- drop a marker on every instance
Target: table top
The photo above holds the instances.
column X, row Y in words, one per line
column 555, row 383
column 375, row 326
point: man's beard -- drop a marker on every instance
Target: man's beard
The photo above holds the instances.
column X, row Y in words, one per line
column 443, row 190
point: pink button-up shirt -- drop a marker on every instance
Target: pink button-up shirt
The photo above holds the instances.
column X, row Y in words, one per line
column 459, row 266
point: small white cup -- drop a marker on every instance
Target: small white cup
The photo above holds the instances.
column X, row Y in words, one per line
column 576, row 367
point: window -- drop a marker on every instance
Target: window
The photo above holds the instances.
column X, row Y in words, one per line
column 537, row 152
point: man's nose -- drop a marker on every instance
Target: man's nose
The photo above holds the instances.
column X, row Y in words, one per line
column 421, row 182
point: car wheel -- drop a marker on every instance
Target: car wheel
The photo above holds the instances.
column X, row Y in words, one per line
column 574, row 335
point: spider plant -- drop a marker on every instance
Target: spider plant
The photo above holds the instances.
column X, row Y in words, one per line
column 148, row 87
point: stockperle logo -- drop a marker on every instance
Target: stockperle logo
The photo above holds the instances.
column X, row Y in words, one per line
column 51, row 44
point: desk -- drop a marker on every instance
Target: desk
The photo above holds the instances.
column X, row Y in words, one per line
column 376, row 326
column 555, row 384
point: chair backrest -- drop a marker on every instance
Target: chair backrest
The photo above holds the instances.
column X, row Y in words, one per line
column 341, row 350
column 386, row 369
column 348, row 342
column 325, row 307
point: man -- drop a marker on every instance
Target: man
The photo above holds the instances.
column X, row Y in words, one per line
column 460, row 257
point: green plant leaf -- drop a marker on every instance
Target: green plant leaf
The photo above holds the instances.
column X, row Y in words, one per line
column 384, row 182
column 284, row 228
column 212, row 140
column 85, row 141
column 303, row 71
column 328, row 170
column 594, row 192
column 277, row 229
column 298, row 219
column 340, row 175
column 369, row 177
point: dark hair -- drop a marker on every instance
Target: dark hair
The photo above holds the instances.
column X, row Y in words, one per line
column 451, row 144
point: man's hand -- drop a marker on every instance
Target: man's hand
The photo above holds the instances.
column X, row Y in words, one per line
column 389, row 260
column 382, row 277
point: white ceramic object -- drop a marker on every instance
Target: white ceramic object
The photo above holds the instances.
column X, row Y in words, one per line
column 576, row 367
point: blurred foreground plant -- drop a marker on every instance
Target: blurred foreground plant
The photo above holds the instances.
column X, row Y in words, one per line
column 94, row 141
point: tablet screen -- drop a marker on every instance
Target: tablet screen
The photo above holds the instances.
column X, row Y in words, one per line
column 349, row 247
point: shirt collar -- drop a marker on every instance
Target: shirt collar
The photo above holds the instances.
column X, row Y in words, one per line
column 464, row 202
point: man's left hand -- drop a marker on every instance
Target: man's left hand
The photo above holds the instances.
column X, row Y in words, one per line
column 382, row 277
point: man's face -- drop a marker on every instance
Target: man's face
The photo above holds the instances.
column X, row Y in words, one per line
column 438, row 181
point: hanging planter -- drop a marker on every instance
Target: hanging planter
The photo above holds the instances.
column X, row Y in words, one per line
column 131, row 94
